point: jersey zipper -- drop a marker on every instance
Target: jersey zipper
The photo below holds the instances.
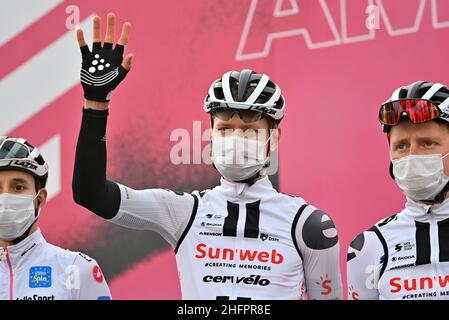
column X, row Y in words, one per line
column 434, row 256
column 434, row 238
column 237, row 243
column 6, row 258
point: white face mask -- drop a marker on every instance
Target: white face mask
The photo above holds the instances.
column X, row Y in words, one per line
column 17, row 214
column 237, row 158
column 420, row 177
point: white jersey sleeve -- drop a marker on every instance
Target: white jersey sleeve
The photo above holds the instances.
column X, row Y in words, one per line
column 164, row 211
column 87, row 280
column 364, row 263
column 318, row 245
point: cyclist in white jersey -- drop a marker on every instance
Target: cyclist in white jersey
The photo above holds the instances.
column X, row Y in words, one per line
column 30, row 267
column 240, row 240
column 406, row 256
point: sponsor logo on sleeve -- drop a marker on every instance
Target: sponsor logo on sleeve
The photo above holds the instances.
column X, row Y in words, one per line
column 97, row 274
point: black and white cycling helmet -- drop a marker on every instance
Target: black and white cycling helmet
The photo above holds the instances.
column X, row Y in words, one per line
column 246, row 90
column 436, row 93
column 18, row 154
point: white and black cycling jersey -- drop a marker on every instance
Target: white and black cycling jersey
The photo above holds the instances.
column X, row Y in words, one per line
column 405, row 256
column 241, row 242
column 235, row 241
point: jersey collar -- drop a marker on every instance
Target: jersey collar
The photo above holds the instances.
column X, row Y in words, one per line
column 261, row 186
column 19, row 252
column 418, row 210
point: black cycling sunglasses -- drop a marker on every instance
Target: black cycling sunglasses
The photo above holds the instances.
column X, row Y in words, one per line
column 247, row 116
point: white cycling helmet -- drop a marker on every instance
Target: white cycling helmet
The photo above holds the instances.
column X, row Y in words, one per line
column 246, row 90
column 18, row 154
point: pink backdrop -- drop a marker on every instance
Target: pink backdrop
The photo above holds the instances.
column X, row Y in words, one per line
column 333, row 71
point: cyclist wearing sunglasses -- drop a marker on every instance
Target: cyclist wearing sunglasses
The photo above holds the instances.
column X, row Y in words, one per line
column 240, row 240
column 30, row 267
column 406, row 256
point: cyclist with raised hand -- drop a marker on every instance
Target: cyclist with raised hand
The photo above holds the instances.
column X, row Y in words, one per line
column 240, row 240
column 406, row 256
column 30, row 267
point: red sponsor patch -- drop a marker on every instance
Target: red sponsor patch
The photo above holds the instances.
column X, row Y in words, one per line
column 98, row 275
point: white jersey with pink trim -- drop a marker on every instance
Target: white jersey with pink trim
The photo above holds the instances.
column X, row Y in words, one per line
column 33, row 269
column 241, row 242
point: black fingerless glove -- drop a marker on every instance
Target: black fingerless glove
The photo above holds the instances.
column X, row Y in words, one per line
column 101, row 70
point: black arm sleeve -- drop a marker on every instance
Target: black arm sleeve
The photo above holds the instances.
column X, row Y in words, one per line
column 89, row 186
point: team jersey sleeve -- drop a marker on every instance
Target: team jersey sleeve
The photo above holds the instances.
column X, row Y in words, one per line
column 365, row 257
column 87, row 280
column 164, row 211
column 319, row 248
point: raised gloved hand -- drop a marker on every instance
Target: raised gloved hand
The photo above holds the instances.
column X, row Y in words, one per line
column 103, row 68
